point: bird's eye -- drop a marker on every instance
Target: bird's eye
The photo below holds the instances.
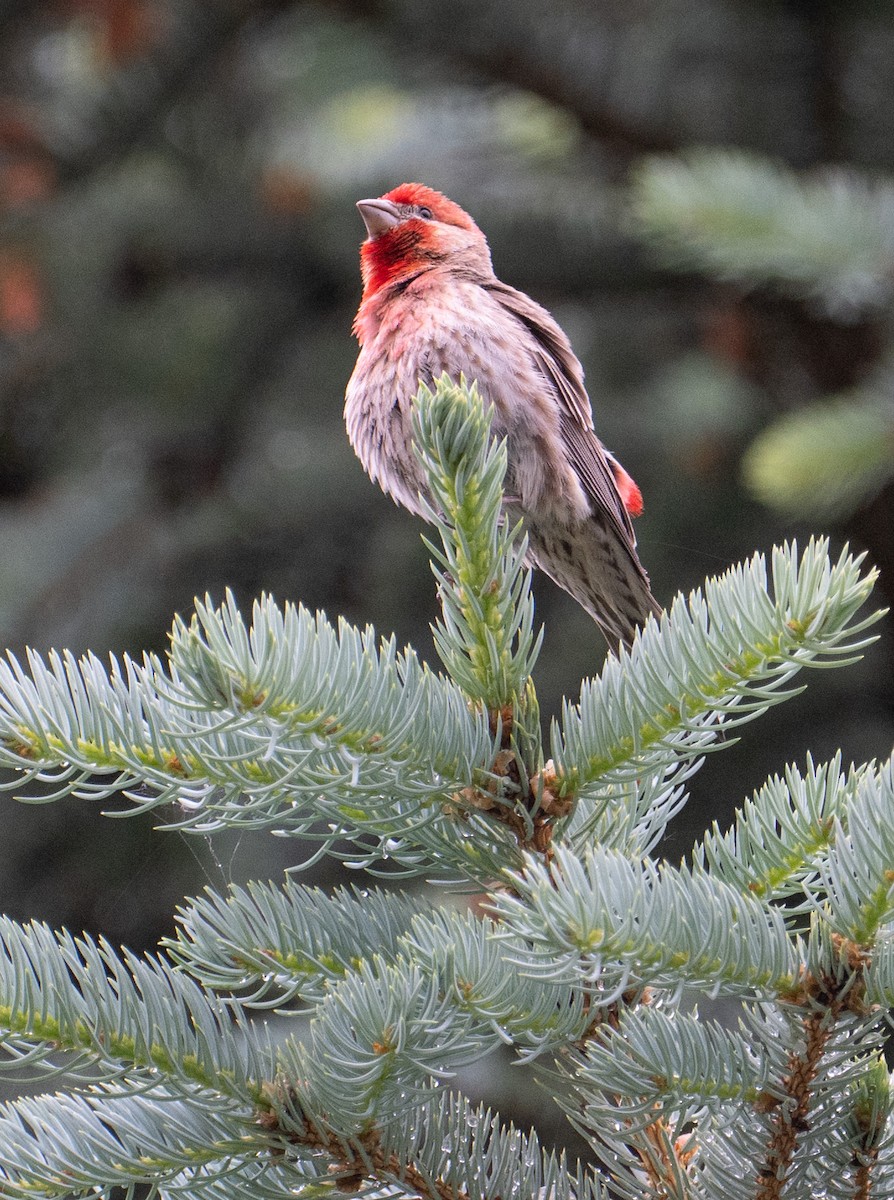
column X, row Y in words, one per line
column 426, row 213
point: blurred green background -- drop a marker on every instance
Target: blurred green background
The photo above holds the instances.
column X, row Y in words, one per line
column 178, row 276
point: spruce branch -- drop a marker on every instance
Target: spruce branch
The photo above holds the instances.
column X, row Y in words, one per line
column 717, row 660
column 281, row 708
column 639, row 1080
column 870, row 1115
column 856, row 874
column 821, row 841
column 392, row 1030
column 603, row 920
column 385, row 1037
column 769, row 1097
column 382, row 1034
column 631, row 815
column 669, row 1060
column 324, row 733
column 793, row 1135
column 780, row 838
column 478, row 968
column 286, row 723
column 837, row 1038
column 269, row 945
column 58, row 1146
column 485, row 635
column 62, row 996
column 446, row 1149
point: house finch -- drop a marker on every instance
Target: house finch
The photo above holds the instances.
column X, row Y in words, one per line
column 432, row 304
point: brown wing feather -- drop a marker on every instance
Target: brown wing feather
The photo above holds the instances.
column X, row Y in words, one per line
column 563, row 372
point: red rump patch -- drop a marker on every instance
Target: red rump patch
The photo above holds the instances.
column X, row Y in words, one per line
column 630, row 494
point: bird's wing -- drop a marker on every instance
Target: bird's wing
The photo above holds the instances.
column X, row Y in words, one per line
column 562, row 371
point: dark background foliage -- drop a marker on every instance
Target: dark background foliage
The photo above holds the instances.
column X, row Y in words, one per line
column 178, row 275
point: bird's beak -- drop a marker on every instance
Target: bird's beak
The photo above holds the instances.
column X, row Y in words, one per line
column 379, row 216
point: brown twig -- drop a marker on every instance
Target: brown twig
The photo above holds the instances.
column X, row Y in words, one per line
column 368, row 1161
column 663, row 1155
column 824, row 1000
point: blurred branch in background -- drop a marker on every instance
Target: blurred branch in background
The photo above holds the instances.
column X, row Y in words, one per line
column 826, row 461
column 113, row 72
column 825, row 241
column 654, row 76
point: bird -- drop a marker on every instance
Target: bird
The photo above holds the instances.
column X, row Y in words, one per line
column 432, row 305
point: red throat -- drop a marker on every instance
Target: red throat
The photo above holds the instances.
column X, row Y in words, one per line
column 392, row 255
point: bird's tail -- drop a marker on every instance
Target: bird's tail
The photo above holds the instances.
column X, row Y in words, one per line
column 603, row 574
